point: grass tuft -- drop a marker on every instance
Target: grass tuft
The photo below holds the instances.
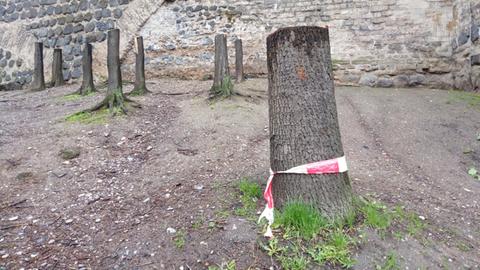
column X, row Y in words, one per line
column 335, row 250
column 376, row 215
column 224, row 90
column 302, row 218
column 97, row 117
column 250, row 192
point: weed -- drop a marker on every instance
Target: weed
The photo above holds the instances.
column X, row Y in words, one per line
column 273, row 248
column 336, row 250
column 297, row 262
column 250, row 192
column 223, row 90
column 179, row 239
column 390, row 263
column 472, row 99
column 302, row 218
column 376, row 215
column 231, row 265
column 198, row 223
column 474, row 173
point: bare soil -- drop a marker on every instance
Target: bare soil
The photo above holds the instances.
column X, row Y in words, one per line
column 172, row 166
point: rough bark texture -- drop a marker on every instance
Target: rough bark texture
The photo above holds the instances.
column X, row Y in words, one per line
column 87, row 84
column 240, row 77
column 140, row 87
column 222, row 84
column 114, row 100
column 38, row 76
column 57, row 68
column 303, row 120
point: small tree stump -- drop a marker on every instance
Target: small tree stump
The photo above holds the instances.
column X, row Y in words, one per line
column 114, row 99
column 38, row 83
column 303, row 120
column 222, row 82
column 240, row 77
column 57, row 68
column 140, row 87
column 87, row 83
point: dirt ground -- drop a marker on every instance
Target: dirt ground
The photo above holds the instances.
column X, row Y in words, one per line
column 170, row 168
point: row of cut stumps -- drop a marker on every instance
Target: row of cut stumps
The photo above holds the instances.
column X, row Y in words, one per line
column 303, row 114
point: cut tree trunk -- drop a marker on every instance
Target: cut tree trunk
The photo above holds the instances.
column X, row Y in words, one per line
column 303, row 120
column 38, row 83
column 222, row 83
column 57, row 68
column 140, row 87
column 115, row 99
column 240, row 77
column 87, row 84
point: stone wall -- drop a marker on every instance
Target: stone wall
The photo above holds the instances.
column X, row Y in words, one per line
column 384, row 43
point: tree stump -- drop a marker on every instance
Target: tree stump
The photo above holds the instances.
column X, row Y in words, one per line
column 57, row 68
column 38, row 83
column 114, row 99
column 222, row 82
column 140, row 87
column 240, row 77
column 87, row 83
column 303, row 120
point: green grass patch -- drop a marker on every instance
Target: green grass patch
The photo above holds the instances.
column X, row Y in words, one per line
column 376, row 215
column 391, row 263
column 471, row 99
column 180, row 239
column 97, row 117
column 336, row 250
column 301, row 218
column 250, row 192
column 225, row 89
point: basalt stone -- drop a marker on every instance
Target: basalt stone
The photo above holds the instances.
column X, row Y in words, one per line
column 117, row 13
column 50, row 10
column 68, row 57
column 8, row 78
column 90, row 38
column 93, row 3
column 58, row 10
column 89, row 27
column 73, row 7
column 385, row 82
column 27, row 5
column 475, row 60
column 76, row 73
column 44, row 23
column 83, row 5
column 368, row 80
column 113, row 3
column 77, row 50
column 106, row 13
column 68, row 39
column 176, row 9
column 68, row 29
column 105, row 26
column 23, row 16
column 463, row 38
column 66, row 9
column 123, row 2
column 8, row 55
column 61, row 20
column 19, row 62
column 67, row 50
column 77, row 62
column 66, row 65
column 52, row 42
column 52, row 22
column 87, row 16
column 69, row 18
column 102, row 4
column 58, row 30
column 98, row 14
column 475, row 32
column 78, row 28
column 197, row 8
column 416, row 79
column 42, row 32
column 2, row 11
column 3, row 73
column 50, row 33
column 13, row 17
column 10, row 9
column 35, row 3
column 206, row 41
column 19, row 8
column 42, row 12
column 66, row 75
column 78, row 18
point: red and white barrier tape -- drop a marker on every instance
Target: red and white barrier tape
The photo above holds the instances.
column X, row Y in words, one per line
column 336, row 165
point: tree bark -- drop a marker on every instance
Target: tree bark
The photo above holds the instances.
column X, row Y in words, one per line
column 222, row 84
column 303, row 120
column 38, row 83
column 87, row 84
column 140, row 87
column 115, row 99
column 240, row 77
column 57, row 68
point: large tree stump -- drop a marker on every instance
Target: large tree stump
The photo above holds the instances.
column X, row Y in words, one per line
column 87, row 83
column 38, row 83
column 222, row 82
column 57, row 68
column 140, row 87
column 303, row 120
column 114, row 99
column 240, row 77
